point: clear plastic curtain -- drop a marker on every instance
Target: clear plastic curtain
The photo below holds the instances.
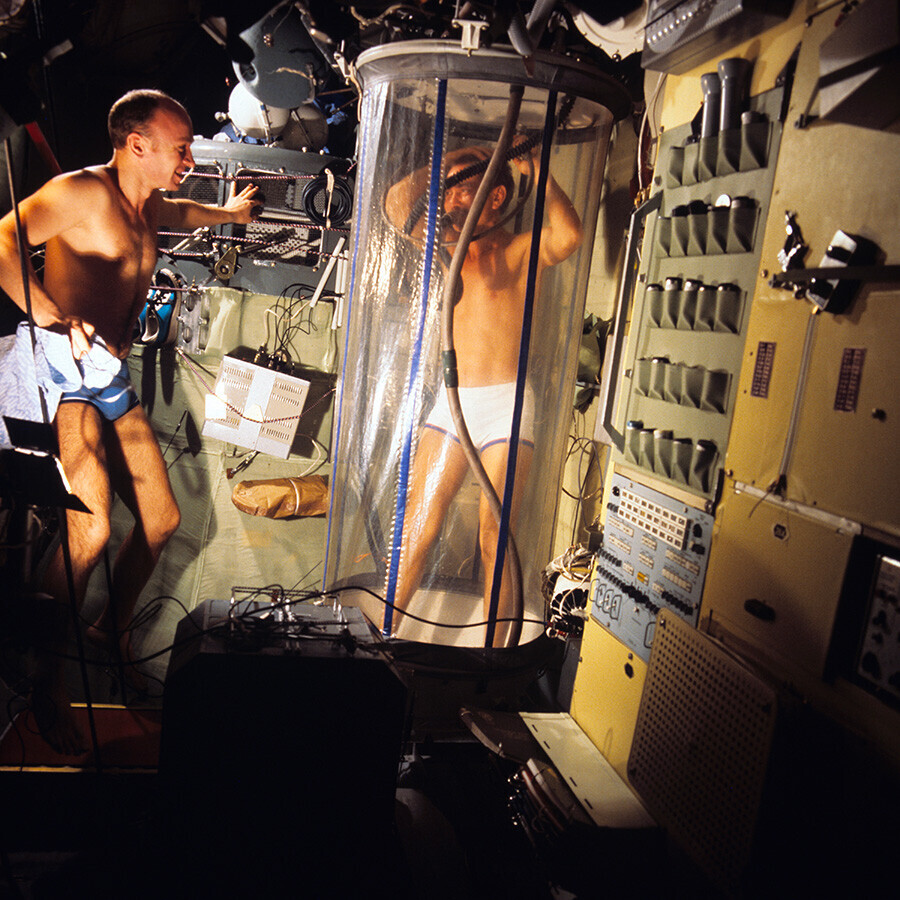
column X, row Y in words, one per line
column 391, row 372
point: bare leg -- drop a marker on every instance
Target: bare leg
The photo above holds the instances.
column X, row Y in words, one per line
column 80, row 433
column 138, row 474
column 494, row 459
column 437, row 475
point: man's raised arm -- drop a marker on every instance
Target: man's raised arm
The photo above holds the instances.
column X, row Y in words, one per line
column 239, row 208
column 402, row 197
column 563, row 232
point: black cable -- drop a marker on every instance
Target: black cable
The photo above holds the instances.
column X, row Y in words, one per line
column 14, row 725
column 433, row 622
column 304, row 577
column 451, row 381
column 63, row 523
column 175, row 432
column 588, row 449
column 117, row 660
column 268, row 595
column 79, row 640
column 465, row 174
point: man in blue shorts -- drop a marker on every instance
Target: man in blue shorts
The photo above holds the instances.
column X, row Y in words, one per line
column 100, row 228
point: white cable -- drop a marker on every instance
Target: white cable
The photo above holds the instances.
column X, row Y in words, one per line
column 328, row 269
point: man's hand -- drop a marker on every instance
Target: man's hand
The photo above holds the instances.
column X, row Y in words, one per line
column 242, row 207
column 528, row 163
column 81, row 334
column 49, row 316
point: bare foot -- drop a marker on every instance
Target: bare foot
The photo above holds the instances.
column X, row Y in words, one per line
column 103, row 638
column 55, row 720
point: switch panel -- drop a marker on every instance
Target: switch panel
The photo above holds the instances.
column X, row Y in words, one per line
column 653, row 557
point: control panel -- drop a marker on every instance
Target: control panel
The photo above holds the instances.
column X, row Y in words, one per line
column 653, row 557
column 304, row 204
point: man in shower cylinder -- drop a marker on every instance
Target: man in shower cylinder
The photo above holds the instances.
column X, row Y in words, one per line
column 100, row 227
column 487, row 333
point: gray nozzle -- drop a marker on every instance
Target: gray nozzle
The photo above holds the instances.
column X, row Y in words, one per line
column 712, row 90
column 734, row 75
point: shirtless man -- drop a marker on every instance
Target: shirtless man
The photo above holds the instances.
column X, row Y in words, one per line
column 100, row 228
column 487, row 328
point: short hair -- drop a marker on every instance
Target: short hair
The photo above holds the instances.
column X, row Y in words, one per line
column 476, row 156
column 134, row 110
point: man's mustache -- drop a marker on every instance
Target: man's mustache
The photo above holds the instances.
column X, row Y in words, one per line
column 455, row 217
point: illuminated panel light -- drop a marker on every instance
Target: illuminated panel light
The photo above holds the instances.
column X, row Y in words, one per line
column 622, row 545
column 668, row 526
column 678, row 580
column 689, row 564
column 616, row 522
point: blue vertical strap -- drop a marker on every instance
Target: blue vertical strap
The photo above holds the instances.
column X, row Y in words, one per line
column 360, row 180
column 409, row 406
column 537, row 226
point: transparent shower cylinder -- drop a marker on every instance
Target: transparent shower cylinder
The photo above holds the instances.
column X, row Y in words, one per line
column 422, row 104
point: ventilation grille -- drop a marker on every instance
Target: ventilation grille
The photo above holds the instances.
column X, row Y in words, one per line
column 202, row 185
column 701, row 748
column 279, row 193
column 281, row 241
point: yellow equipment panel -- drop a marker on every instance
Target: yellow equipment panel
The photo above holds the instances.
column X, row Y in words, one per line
column 607, row 694
column 846, row 456
column 837, row 444
column 774, row 580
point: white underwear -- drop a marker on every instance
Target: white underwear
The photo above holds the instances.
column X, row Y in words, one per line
column 488, row 412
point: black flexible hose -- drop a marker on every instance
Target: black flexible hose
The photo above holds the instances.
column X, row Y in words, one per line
column 470, row 171
column 451, row 380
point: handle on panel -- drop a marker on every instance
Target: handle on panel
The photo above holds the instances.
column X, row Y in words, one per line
column 615, row 347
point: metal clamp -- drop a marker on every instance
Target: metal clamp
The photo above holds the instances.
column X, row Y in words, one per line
column 471, row 33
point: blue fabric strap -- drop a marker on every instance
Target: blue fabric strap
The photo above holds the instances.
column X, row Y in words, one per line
column 409, row 407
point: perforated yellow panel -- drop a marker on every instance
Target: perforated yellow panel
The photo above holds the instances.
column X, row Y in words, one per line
column 701, row 747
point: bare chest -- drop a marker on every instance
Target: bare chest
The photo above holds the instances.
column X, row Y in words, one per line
column 116, row 237
column 101, row 270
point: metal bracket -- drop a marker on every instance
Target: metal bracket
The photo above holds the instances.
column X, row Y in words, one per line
column 793, row 277
column 226, row 264
column 471, row 33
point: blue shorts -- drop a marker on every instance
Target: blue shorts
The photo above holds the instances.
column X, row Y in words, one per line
column 106, row 383
column 488, row 412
